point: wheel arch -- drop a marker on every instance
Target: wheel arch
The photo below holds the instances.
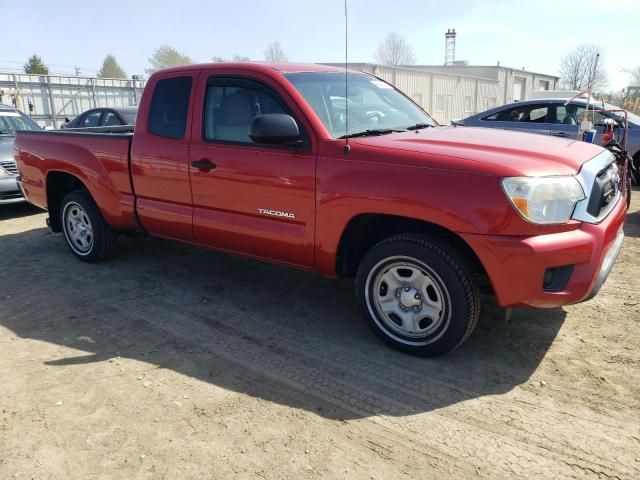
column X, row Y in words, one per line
column 365, row 230
column 58, row 184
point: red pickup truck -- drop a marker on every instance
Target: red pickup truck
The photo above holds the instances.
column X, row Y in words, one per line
column 288, row 164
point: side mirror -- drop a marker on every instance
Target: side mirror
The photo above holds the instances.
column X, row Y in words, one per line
column 274, row 129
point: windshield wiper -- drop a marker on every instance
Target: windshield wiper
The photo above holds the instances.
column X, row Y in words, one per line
column 419, row 126
column 371, row 133
column 6, row 132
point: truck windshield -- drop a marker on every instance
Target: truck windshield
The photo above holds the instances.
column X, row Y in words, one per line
column 12, row 120
column 373, row 105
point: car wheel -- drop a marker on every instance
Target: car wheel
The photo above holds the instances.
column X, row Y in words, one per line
column 88, row 236
column 635, row 171
column 417, row 295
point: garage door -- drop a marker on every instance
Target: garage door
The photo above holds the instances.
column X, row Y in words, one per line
column 518, row 89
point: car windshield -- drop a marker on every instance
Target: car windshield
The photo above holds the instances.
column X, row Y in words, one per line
column 373, row 105
column 633, row 118
column 12, row 120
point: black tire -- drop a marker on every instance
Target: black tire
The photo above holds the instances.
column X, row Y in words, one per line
column 430, row 262
column 635, row 171
column 102, row 238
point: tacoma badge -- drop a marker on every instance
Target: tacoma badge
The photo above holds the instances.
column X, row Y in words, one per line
column 276, row 213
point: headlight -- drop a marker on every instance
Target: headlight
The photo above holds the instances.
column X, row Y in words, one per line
column 543, row 199
column 3, row 172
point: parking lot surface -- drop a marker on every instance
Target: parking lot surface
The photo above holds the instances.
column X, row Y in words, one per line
column 173, row 362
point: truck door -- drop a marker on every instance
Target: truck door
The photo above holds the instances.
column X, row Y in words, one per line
column 160, row 158
column 250, row 198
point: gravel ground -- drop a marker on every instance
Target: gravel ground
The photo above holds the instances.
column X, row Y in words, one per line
column 174, row 362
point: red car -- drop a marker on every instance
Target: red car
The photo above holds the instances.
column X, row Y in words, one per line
column 283, row 163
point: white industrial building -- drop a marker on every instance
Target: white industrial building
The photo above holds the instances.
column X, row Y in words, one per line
column 457, row 91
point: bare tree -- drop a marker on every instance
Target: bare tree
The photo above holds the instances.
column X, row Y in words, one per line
column 395, row 50
column 577, row 68
column 634, row 73
column 275, row 53
column 166, row 56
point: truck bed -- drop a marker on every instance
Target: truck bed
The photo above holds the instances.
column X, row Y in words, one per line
column 99, row 157
column 115, row 129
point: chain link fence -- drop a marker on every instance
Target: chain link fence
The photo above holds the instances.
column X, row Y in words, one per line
column 50, row 99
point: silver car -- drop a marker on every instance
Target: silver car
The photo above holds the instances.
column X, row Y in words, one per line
column 10, row 121
column 552, row 117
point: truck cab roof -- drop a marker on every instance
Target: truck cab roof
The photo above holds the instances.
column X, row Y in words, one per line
column 283, row 67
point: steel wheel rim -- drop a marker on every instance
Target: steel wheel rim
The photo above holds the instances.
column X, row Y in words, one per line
column 408, row 300
column 77, row 228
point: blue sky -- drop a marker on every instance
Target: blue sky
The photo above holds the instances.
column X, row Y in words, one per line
column 530, row 34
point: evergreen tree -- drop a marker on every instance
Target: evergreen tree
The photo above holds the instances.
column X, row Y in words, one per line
column 111, row 68
column 35, row 65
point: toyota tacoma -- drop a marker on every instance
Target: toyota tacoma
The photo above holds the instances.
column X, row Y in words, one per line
column 339, row 172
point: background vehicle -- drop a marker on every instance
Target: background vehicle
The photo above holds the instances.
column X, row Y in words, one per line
column 552, row 117
column 104, row 117
column 10, row 121
column 260, row 160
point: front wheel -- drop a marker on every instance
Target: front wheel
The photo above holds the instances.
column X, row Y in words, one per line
column 88, row 236
column 417, row 295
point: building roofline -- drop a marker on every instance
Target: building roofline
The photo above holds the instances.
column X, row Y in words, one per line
column 413, row 69
column 488, row 66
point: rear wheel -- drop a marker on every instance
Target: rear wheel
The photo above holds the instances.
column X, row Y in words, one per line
column 88, row 236
column 635, row 171
column 417, row 295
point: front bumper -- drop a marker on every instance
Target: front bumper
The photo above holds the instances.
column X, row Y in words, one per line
column 516, row 265
column 10, row 191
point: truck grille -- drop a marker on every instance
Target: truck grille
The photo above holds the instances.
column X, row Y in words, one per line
column 605, row 191
column 10, row 167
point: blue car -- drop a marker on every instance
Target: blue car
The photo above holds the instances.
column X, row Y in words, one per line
column 550, row 116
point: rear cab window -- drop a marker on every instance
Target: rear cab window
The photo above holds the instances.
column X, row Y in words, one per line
column 169, row 107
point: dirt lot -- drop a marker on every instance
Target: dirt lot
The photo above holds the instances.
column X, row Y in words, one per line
column 173, row 362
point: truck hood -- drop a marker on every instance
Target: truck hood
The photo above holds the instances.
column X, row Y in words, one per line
column 6, row 147
column 491, row 151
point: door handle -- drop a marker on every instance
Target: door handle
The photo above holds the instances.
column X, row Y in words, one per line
column 559, row 134
column 203, row 164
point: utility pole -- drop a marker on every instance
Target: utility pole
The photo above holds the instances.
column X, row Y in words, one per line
column 77, row 71
column 134, row 79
